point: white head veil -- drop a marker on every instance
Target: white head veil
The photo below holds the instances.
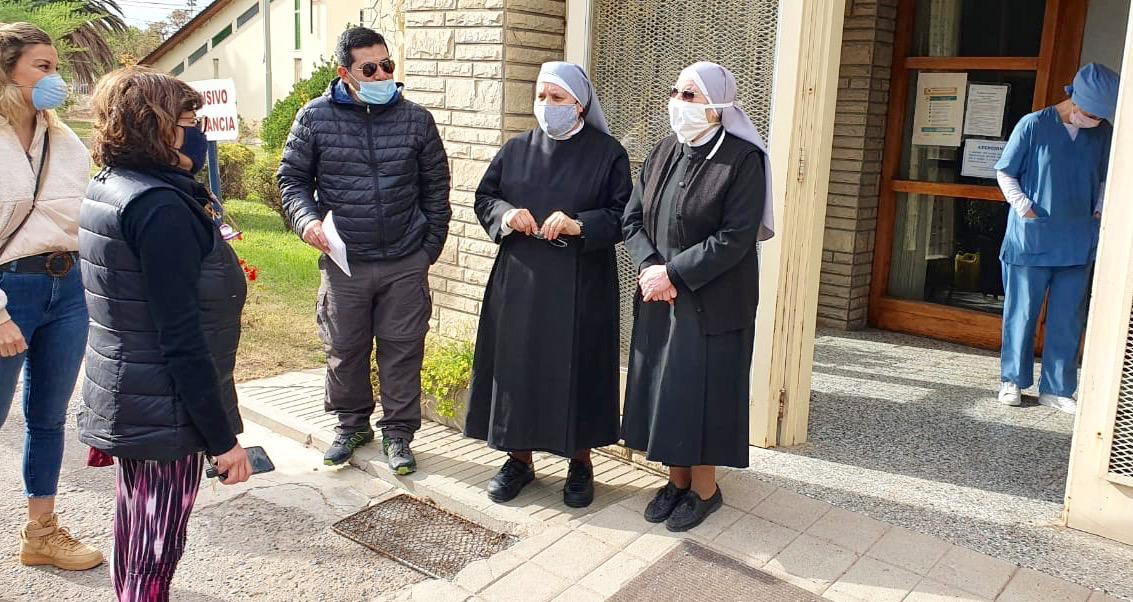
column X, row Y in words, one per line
column 573, row 79
column 719, row 87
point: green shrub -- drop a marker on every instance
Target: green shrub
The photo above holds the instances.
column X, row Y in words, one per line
column 276, row 126
column 261, row 185
column 235, row 159
column 446, row 371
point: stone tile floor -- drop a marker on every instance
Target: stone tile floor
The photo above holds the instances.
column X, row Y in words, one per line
column 858, row 533
column 908, row 431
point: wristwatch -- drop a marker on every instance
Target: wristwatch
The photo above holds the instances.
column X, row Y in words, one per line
column 581, row 231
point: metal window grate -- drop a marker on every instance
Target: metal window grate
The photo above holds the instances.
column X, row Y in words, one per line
column 422, row 536
column 1121, row 451
column 198, row 54
column 637, row 50
column 248, row 14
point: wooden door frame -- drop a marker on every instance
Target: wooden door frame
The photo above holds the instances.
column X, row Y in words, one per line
column 1096, row 500
column 1064, row 22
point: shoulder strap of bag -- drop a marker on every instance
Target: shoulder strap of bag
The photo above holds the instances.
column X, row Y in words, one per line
column 43, row 155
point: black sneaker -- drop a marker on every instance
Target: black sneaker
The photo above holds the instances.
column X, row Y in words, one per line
column 344, row 445
column 510, row 480
column 692, row 511
column 664, row 502
column 578, row 491
column 401, row 460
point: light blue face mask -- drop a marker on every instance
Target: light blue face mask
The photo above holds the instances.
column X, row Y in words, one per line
column 49, row 92
column 557, row 120
column 376, row 93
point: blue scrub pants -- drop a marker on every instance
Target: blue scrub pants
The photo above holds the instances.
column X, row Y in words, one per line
column 1025, row 288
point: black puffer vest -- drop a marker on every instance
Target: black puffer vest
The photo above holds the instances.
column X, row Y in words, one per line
column 129, row 406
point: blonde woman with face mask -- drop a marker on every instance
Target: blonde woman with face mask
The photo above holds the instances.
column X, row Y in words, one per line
column 43, row 317
column 700, row 204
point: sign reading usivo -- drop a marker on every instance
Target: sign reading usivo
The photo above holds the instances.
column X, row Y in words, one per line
column 218, row 115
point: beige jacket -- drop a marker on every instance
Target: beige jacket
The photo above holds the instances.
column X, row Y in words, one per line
column 54, row 226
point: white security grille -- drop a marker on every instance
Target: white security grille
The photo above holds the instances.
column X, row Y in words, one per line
column 639, row 47
column 1121, row 453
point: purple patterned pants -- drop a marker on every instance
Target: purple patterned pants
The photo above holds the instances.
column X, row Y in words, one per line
column 150, row 521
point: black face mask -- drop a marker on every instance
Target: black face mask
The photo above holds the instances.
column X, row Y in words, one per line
column 195, row 147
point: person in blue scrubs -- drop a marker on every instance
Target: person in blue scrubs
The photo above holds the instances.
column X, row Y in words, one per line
column 1053, row 173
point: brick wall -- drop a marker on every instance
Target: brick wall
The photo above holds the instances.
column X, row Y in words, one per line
column 855, row 169
column 473, row 64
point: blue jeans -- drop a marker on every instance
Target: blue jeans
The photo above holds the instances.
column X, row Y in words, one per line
column 52, row 315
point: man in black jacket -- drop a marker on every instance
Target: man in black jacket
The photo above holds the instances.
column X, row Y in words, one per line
column 377, row 161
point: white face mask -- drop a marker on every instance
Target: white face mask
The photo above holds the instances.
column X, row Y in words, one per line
column 689, row 120
column 1080, row 120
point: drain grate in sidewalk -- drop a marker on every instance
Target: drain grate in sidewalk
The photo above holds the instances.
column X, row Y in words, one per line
column 693, row 572
column 422, row 536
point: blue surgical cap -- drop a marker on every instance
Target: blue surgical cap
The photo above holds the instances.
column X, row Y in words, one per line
column 1095, row 91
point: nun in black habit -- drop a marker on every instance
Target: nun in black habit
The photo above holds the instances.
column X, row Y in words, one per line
column 700, row 204
column 545, row 373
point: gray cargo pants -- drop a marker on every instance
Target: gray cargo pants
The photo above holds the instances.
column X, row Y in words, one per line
column 387, row 301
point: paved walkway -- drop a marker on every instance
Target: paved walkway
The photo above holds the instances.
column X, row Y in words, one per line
column 579, row 555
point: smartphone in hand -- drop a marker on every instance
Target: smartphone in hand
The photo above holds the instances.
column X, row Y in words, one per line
column 258, row 458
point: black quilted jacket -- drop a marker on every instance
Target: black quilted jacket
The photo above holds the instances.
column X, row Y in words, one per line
column 382, row 170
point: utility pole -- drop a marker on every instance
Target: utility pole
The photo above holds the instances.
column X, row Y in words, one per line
column 267, row 53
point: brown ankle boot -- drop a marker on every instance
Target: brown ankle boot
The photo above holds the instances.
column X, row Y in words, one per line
column 44, row 542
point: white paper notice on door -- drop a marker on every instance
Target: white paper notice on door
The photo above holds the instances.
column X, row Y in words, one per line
column 986, row 105
column 980, row 157
column 938, row 118
column 337, row 245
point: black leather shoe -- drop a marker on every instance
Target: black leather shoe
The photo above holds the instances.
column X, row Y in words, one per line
column 664, row 502
column 510, row 480
column 579, row 489
column 692, row 511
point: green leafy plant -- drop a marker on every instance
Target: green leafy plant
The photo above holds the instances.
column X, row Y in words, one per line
column 277, row 125
column 260, row 183
column 446, row 371
column 234, row 160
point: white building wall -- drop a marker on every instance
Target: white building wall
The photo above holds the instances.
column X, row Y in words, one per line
column 241, row 55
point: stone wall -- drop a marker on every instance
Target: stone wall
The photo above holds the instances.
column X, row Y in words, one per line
column 855, row 169
column 473, row 64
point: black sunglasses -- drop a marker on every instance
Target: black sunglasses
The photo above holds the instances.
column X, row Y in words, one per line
column 370, row 69
column 686, row 95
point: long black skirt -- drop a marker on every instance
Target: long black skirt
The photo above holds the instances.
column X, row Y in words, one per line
column 687, row 395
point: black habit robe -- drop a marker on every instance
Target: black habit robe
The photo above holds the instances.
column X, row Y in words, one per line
column 687, row 390
column 545, row 373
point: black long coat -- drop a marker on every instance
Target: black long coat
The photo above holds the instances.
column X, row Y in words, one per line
column 688, row 385
column 545, row 374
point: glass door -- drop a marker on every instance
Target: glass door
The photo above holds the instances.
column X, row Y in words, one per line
column 965, row 72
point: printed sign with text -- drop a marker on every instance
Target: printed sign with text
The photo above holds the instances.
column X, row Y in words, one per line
column 218, row 115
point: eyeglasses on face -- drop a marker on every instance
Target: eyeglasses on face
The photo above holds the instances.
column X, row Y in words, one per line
column 192, row 122
column 685, row 95
column 370, row 69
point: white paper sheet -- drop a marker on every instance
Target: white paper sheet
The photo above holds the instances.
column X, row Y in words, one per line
column 337, row 245
column 938, row 117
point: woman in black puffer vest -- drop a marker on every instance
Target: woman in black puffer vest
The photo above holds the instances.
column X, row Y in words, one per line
column 165, row 293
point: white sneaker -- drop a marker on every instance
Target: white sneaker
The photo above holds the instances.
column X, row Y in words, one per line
column 1009, row 395
column 1065, row 404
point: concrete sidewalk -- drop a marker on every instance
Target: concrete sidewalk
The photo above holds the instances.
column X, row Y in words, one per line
column 588, row 554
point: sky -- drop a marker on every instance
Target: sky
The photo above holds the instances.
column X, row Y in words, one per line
column 141, row 13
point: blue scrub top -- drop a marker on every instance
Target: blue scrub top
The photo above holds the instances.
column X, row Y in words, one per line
column 1063, row 178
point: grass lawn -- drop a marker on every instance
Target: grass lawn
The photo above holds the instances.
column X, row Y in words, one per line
column 279, row 320
column 82, row 129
